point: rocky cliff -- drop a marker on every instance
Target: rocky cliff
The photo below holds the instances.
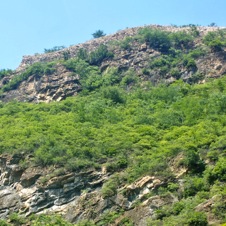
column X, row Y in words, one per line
column 77, row 196
column 136, row 56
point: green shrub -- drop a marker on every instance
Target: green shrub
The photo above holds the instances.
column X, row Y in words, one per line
column 50, row 68
column 159, row 63
column 155, row 38
column 196, row 53
column 219, row 206
column 216, row 45
column 129, row 78
column 215, row 40
column 193, row 162
column 196, row 219
column 175, row 73
column 173, row 187
column 100, row 54
column 126, row 222
column 219, row 145
column 178, row 207
column 90, row 77
column 50, row 220
column 66, row 55
column 54, row 49
column 95, row 57
column 125, row 44
column 98, row 34
column 194, row 185
column 194, row 31
column 16, row 219
column 189, row 62
column 219, row 171
column 4, row 223
column 92, row 82
column 115, row 94
column 117, row 165
column 85, row 223
column 5, row 72
column 111, row 76
column 109, row 188
column 77, row 65
column 181, row 39
column 108, row 218
column 83, row 54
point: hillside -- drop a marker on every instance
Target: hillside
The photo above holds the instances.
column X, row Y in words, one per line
column 126, row 129
column 154, row 53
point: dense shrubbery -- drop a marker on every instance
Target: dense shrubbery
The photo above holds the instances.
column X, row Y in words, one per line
column 175, row 60
column 216, row 40
column 95, row 57
column 181, row 39
column 163, row 40
column 156, row 39
column 94, row 126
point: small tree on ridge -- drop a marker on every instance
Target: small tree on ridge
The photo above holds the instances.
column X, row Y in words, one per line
column 98, row 34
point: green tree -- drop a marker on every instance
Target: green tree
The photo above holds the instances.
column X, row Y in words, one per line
column 156, row 39
column 100, row 54
column 215, row 40
column 98, row 34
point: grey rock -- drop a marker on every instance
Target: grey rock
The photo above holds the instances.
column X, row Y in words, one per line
column 9, row 200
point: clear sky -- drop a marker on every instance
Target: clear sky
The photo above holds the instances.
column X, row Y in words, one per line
column 29, row 26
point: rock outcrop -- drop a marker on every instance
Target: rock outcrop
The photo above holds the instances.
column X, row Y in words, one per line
column 62, row 83
column 93, row 44
column 75, row 195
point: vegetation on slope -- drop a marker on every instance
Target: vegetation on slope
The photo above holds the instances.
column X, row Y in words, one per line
column 136, row 131
column 132, row 126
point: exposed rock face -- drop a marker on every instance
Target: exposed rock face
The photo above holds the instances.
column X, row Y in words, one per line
column 35, row 189
column 93, row 44
column 9, row 201
column 62, row 83
column 76, row 196
column 54, row 87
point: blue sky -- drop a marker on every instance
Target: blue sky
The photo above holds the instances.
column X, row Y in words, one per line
column 29, row 26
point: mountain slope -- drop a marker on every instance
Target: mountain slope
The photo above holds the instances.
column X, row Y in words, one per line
column 138, row 137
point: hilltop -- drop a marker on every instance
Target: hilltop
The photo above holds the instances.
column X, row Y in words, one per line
column 126, row 129
column 185, row 53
